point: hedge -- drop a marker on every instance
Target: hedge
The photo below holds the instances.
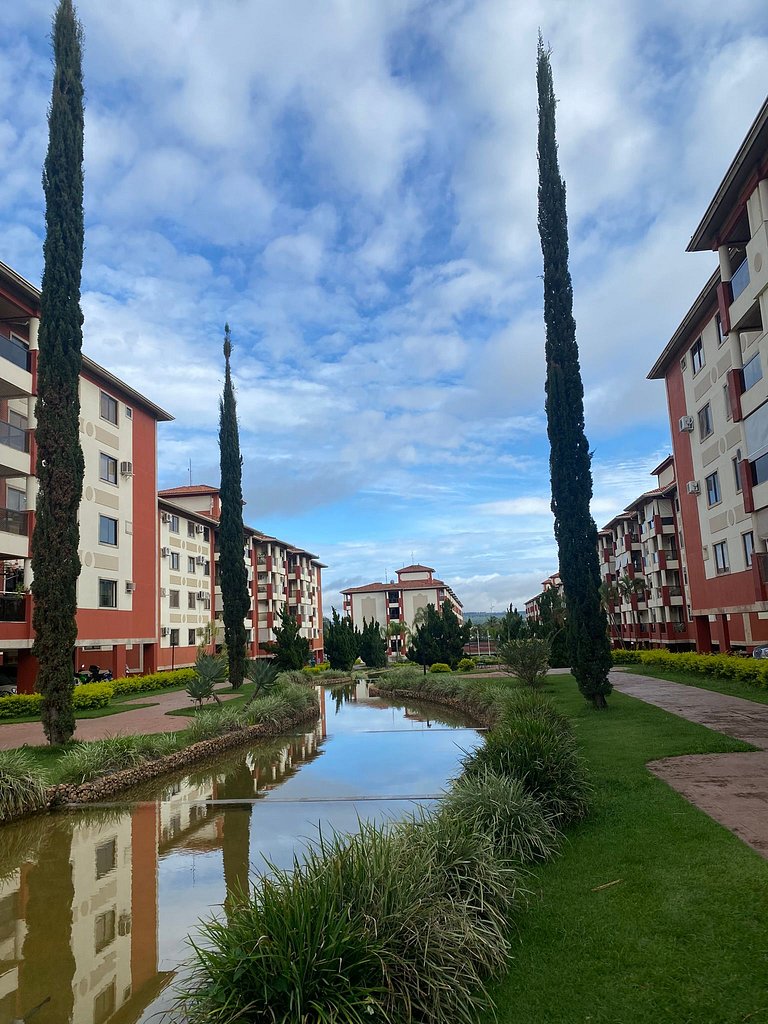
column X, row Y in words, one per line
column 153, row 681
column 84, row 698
column 753, row 671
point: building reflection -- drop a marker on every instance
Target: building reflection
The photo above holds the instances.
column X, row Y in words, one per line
column 79, row 920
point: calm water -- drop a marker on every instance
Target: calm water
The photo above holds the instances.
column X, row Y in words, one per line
column 96, row 904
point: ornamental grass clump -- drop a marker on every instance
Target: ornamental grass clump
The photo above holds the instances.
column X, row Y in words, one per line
column 499, row 807
column 544, row 757
column 87, row 761
column 22, row 784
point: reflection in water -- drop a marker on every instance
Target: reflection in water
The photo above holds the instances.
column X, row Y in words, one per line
column 95, row 905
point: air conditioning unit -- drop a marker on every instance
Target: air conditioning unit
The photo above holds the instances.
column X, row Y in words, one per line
column 199, row 528
column 126, row 469
column 163, row 591
column 686, row 424
column 693, row 487
column 201, row 595
column 165, row 517
column 165, row 552
column 163, row 631
column 199, row 560
column 129, row 587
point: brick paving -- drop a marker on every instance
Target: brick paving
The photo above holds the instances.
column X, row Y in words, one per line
column 731, row 788
column 144, row 720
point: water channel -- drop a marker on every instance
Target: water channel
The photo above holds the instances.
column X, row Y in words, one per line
column 96, row 904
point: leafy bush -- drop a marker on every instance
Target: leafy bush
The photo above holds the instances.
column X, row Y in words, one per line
column 18, row 705
column 752, row 671
column 210, row 723
column 314, row 669
column 22, row 783
column 528, row 658
column 262, row 674
column 92, row 695
column 292, row 676
column 87, row 761
column 439, row 666
column 466, row 665
column 210, row 670
column 499, row 807
column 152, row 681
column 84, row 698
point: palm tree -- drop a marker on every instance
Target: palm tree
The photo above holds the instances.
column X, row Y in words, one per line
column 632, row 587
column 399, row 629
column 609, row 595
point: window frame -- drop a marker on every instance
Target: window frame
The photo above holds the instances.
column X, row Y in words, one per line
column 114, row 402
column 722, row 559
column 190, row 529
column 171, row 641
column 698, row 360
column 722, row 337
column 173, row 524
column 754, row 361
column 174, row 598
column 108, row 519
column 175, row 561
column 191, row 565
column 705, row 414
column 748, row 549
column 112, row 584
column 108, row 461
column 714, row 491
column 191, row 601
column 192, row 637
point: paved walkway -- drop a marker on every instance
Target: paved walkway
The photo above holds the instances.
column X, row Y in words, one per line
column 144, row 720
column 731, row 788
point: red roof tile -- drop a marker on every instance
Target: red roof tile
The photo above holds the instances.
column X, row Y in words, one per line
column 189, row 489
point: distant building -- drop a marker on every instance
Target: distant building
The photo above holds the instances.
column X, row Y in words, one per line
column 400, row 601
column 552, row 582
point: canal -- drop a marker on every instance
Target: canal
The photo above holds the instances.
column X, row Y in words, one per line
column 96, row 904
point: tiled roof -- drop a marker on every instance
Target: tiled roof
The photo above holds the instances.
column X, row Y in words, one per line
column 657, row 492
column 415, row 568
column 188, row 489
column 370, row 588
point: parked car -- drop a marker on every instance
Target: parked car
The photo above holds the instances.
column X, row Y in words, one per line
column 7, row 689
column 760, row 652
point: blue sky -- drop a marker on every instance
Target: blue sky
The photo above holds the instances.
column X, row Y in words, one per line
column 352, row 185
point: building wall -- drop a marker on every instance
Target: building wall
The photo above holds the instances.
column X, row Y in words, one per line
column 194, row 578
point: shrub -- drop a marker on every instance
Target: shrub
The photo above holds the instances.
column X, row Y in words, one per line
column 152, row 681
column 314, row 669
column 752, row 671
column 22, row 783
column 292, row 676
column 528, row 659
column 86, row 761
column 84, row 698
column 439, row 666
column 466, row 665
column 210, row 671
column 92, row 695
column 210, row 723
column 262, row 674
column 545, row 759
column 499, row 807
column 17, row 705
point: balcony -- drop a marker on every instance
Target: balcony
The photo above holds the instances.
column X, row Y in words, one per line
column 14, row 450
column 14, row 542
column 740, row 279
column 15, row 369
column 13, row 607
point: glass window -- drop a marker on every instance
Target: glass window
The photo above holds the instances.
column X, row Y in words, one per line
column 737, row 471
column 107, row 593
column 207, row 569
column 16, row 499
column 727, row 400
column 104, row 929
column 173, row 598
column 107, row 468
column 107, row 530
column 191, row 600
column 174, row 524
column 721, row 557
column 760, row 470
column 106, row 858
column 191, row 639
column 752, row 372
column 190, row 564
column 748, row 540
column 206, row 534
column 108, row 408
column 713, row 489
column 104, row 1004
column 174, row 638
column 705, row 421
column 190, row 529
column 721, row 335
column 697, row 356
column 175, row 560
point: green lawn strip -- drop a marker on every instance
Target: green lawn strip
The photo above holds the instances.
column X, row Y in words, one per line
column 243, row 694
column 682, row 937
column 731, row 687
column 111, row 709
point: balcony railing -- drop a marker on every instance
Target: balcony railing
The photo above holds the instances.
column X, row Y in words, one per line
column 12, row 521
column 12, row 607
column 740, row 279
column 15, row 352
column 14, row 437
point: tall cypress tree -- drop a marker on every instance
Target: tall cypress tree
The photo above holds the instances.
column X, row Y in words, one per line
column 233, row 574
column 55, row 561
column 569, row 460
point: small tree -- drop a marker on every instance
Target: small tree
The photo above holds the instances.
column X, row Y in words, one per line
column 263, row 675
column 528, row 659
column 290, row 649
column 210, row 671
column 342, row 642
column 439, row 637
column 373, row 646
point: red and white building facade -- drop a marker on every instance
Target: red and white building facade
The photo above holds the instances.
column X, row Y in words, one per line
column 147, row 586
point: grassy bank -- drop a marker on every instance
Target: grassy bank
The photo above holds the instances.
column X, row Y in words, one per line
column 730, row 687
column 680, row 937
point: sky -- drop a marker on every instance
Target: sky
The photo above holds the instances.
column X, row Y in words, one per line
column 352, row 186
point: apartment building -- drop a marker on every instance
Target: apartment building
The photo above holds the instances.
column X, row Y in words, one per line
column 716, row 377
column 532, row 609
column 116, row 591
column 400, row 601
column 279, row 574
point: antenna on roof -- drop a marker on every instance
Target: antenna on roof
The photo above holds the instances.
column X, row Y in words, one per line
column 190, row 472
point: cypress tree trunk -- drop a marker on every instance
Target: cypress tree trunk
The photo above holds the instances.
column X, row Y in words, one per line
column 236, row 599
column 569, row 461
column 55, row 561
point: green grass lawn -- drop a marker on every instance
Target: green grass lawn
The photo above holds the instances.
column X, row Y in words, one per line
column 682, row 938
column 243, row 694
column 731, row 687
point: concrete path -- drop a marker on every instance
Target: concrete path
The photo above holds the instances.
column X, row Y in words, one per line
column 144, row 720
column 731, row 788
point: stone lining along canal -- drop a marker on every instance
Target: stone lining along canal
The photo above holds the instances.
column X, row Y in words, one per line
column 96, row 904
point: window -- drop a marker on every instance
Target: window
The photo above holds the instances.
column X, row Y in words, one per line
column 748, row 540
column 737, row 471
column 174, row 638
column 128, row 412
column 107, row 593
column 713, row 489
column 107, row 530
column 173, row 598
column 190, row 529
column 191, row 638
column 174, row 524
column 727, row 400
column 191, row 600
column 175, row 560
column 106, row 858
column 190, row 564
column 697, row 356
column 207, row 569
column 108, row 408
column 104, row 1004
column 721, row 335
column 705, row 422
column 15, row 499
column 104, row 930
column 721, row 557
column 107, row 468
column 206, row 534
column 752, row 372
column 760, row 470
